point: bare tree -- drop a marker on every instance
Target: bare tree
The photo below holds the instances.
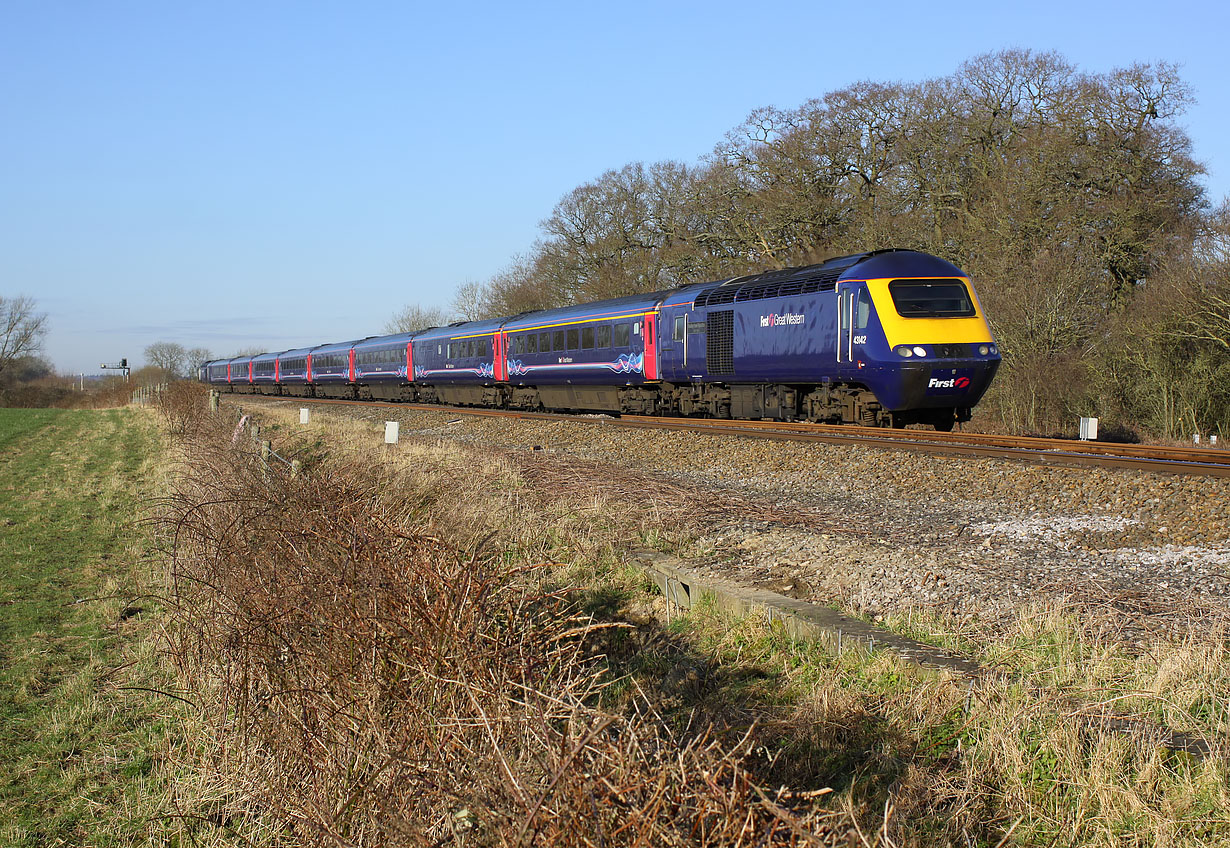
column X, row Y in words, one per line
column 472, row 301
column 21, row 329
column 167, row 356
column 195, row 357
column 414, row 317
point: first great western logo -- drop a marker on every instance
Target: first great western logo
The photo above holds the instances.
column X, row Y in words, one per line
column 782, row 319
column 949, row 380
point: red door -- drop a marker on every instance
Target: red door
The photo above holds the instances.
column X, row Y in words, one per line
column 499, row 346
column 409, row 362
column 651, row 346
column 350, row 367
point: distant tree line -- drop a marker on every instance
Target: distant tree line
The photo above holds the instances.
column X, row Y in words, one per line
column 1071, row 198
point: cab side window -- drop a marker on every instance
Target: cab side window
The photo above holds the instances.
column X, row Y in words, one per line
column 862, row 313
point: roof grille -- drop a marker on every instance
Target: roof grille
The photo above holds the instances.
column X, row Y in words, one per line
column 763, row 286
column 788, row 282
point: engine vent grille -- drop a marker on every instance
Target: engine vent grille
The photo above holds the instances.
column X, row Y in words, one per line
column 720, row 342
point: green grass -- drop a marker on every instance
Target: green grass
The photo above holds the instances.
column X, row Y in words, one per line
column 80, row 741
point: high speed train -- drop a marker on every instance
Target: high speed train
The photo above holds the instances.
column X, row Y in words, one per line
column 884, row 338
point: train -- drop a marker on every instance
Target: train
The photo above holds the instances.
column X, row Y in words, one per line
column 885, row 338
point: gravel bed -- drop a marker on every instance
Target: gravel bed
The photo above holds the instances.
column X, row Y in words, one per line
column 890, row 530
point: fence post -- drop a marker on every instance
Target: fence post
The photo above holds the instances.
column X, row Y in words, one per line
column 266, row 451
column 213, row 400
column 294, row 468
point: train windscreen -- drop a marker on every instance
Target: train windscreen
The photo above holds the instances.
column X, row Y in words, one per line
column 931, row 298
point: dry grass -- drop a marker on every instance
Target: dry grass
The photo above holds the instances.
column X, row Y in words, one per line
column 392, row 649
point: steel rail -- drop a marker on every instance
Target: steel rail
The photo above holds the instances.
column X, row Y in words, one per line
column 1030, row 449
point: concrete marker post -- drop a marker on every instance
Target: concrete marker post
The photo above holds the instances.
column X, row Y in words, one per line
column 391, row 429
column 305, row 414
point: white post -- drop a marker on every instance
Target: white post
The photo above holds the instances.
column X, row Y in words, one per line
column 1089, row 429
column 304, row 414
column 1195, row 438
column 390, row 432
column 1212, row 440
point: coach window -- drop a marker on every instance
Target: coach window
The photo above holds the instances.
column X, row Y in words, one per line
column 557, row 339
column 518, row 345
column 679, row 323
column 623, row 336
column 587, row 338
column 604, row 335
column 572, row 338
column 531, row 343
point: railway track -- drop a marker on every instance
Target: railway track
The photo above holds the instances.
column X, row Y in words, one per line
column 1206, row 462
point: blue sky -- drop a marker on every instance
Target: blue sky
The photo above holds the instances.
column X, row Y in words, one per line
column 271, row 174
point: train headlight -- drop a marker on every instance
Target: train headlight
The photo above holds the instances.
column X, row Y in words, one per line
column 994, row 349
column 920, row 351
column 983, row 350
column 905, row 351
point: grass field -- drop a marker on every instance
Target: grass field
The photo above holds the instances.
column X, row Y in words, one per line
column 97, row 750
column 81, row 738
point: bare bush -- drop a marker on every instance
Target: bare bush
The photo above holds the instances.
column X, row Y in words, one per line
column 388, row 687
column 181, row 405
